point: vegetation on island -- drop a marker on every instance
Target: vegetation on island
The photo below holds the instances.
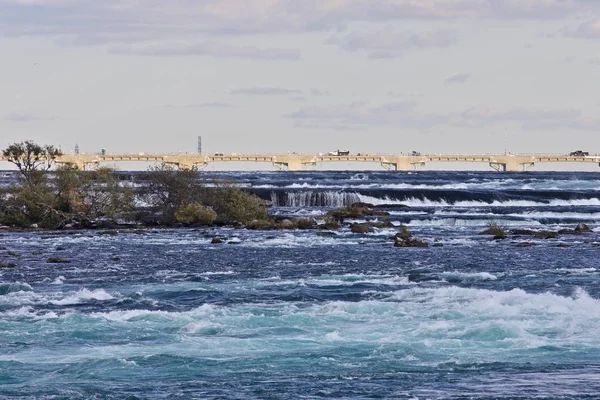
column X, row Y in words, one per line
column 70, row 197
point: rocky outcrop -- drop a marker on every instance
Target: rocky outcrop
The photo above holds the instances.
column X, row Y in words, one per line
column 360, row 228
column 582, row 228
column 405, row 239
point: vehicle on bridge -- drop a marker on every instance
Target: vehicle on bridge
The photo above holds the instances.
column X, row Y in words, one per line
column 579, row 153
column 339, row 153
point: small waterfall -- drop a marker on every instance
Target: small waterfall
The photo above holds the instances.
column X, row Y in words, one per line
column 314, row 199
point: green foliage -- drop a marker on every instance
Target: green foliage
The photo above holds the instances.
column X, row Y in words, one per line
column 234, row 205
column 169, row 189
column 26, row 205
column 195, row 213
column 90, row 195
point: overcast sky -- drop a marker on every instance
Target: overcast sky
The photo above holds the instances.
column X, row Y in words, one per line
column 307, row 76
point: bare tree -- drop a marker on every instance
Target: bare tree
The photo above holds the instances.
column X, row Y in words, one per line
column 31, row 158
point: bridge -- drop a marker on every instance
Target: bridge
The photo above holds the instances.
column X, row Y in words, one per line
column 296, row 162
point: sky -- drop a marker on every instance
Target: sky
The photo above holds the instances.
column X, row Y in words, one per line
column 306, row 76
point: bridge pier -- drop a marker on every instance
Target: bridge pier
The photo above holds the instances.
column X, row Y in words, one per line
column 406, row 163
column 511, row 164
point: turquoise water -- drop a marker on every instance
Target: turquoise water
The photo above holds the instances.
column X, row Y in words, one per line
column 165, row 314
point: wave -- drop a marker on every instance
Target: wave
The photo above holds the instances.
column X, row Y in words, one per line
column 14, row 287
column 83, row 296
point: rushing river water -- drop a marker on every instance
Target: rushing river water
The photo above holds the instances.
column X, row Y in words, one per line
column 165, row 314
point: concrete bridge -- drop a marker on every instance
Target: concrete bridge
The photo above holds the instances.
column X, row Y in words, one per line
column 295, row 162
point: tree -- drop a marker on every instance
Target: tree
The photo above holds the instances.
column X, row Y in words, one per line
column 31, row 158
column 168, row 189
column 92, row 195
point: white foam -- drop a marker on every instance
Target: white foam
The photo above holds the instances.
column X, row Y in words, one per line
column 83, row 296
column 480, row 276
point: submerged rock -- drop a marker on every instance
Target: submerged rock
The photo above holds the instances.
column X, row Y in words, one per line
column 7, row 265
column 57, row 260
column 216, row 241
column 361, row 228
column 525, row 244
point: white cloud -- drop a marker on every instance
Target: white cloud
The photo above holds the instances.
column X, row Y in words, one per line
column 363, row 114
column 389, row 43
column 213, row 49
column 266, row 91
column 458, row 78
column 586, row 30
column 129, row 21
column 26, row 117
column 531, row 118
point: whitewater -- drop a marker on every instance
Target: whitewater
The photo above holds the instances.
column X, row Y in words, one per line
column 167, row 314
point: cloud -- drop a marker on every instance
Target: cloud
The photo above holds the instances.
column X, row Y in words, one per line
column 532, row 118
column 458, row 78
column 363, row 114
column 213, row 49
column 203, row 105
column 586, row 30
column 319, row 93
column 389, row 43
column 266, row 91
column 133, row 21
column 25, row 117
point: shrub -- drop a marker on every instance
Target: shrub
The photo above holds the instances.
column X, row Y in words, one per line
column 495, row 229
column 234, row 205
column 195, row 213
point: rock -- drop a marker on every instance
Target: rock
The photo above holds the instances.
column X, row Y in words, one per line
column 567, row 232
column 546, row 234
column 404, row 239
column 360, row 228
column 438, row 245
column 60, row 248
column 7, row 265
column 13, row 253
column 393, row 206
column 68, row 226
column 109, row 233
column 528, row 232
column 116, row 258
column 330, row 225
column 410, row 243
column 562, row 245
column 261, row 224
column 305, row 223
column 500, row 236
column 57, row 260
column 360, row 204
column 581, row 228
column 216, row 241
column 34, row 226
column 326, row 233
column 526, row 244
column 287, row 224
